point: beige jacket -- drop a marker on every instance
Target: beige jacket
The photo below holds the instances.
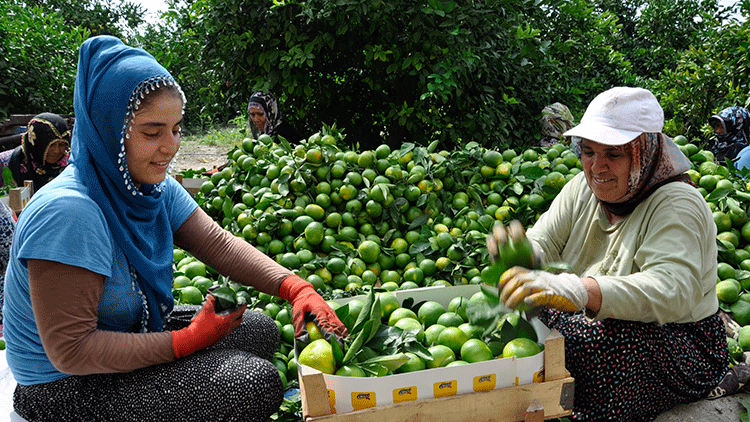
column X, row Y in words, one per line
column 656, row 265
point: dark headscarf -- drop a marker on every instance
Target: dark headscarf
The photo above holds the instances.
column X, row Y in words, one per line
column 270, row 106
column 655, row 161
column 112, row 80
column 736, row 124
column 28, row 160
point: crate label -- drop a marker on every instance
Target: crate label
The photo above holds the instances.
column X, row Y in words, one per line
column 332, row 401
column 363, row 399
column 539, row 376
column 485, row 382
column 445, row 388
column 405, row 394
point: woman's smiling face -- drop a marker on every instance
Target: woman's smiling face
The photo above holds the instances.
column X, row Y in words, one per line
column 607, row 169
column 154, row 138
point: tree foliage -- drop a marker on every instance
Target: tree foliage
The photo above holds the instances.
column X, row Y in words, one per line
column 389, row 70
column 397, row 71
column 416, row 71
column 707, row 78
column 37, row 67
column 39, row 42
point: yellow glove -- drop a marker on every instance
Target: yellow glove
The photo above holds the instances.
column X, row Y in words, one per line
column 565, row 291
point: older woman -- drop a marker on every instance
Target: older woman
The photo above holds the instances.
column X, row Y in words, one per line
column 639, row 315
column 264, row 117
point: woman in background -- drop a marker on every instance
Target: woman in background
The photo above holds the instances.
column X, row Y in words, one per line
column 556, row 119
column 43, row 153
column 264, row 117
column 731, row 127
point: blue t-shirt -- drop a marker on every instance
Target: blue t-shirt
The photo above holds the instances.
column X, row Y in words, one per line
column 62, row 223
column 743, row 158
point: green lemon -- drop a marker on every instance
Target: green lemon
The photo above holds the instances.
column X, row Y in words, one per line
column 191, row 295
column 521, row 347
column 728, row 290
column 319, row 355
column 475, row 350
column 429, row 312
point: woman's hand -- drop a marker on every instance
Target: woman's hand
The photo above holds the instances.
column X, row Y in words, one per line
column 565, row 291
column 308, row 305
column 205, row 329
column 510, row 247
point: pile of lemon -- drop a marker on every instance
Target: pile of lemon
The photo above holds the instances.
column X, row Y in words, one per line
column 413, row 217
column 447, row 335
column 417, row 216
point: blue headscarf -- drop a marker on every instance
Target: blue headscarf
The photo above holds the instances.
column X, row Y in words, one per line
column 112, row 79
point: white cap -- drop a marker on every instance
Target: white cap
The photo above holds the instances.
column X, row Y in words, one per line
column 619, row 115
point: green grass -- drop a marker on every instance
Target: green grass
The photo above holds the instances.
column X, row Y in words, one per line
column 229, row 135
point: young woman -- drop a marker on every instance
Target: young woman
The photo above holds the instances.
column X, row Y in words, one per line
column 89, row 322
column 639, row 315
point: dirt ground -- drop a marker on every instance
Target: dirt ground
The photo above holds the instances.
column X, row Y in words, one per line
column 725, row 409
column 196, row 156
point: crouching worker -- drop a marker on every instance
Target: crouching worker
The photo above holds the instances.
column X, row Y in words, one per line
column 639, row 316
column 89, row 321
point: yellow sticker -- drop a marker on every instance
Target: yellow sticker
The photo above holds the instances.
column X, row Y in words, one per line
column 405, row 394
column 363, row 399
column 332, row 401
column 539, row 376
column 445, row 388
column 485, row 382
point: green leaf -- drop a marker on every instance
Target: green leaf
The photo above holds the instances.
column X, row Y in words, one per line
column 382, row 337
column 226, row 298
column 744, row 413
column 492, row 292
column 364, row 314
column 338, row 353
column 418, row 349
column 353, row 349
column 391, row 362
column 361, row 338
column 374, row 369
column 524, row 326
column 343, row 312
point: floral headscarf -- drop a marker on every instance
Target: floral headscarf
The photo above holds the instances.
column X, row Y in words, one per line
column 29, row 161
column 112, row 80
column 270, row 106
column 655, row 161
column 556, row 119
column 736, row 124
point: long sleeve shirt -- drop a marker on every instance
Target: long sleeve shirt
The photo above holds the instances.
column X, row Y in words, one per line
column 658, row 264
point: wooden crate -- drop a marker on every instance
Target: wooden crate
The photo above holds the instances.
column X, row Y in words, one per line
column 193, row 185
column 533, row 402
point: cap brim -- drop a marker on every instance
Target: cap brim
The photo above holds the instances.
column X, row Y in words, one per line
column 602, row 134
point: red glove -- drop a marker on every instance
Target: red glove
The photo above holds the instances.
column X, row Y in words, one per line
column 308, row 305
column 205, row 329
